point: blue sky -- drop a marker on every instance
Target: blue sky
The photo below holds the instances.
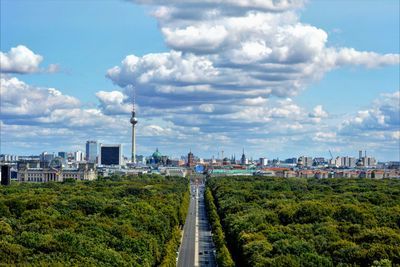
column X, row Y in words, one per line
column 346, row 103
column 365, row 25
column 80, row 36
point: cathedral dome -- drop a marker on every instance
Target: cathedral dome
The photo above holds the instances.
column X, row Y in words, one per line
column 157, row 155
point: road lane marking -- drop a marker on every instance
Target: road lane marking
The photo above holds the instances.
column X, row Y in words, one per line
column 196, row 241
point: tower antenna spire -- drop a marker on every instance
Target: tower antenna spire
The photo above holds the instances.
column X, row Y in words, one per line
column 133, row 99
column 133, row 121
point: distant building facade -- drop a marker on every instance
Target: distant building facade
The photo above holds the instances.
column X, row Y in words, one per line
column 91, row 151
column 368, row 162
column 45, row 156
column 263, row 161
column 56, row 172
column 319, row 161
column 63, row 155
column 110, row 155
column 243, row 159
column 79, row 156
column 291, row 161
column 305, row 161
column 8, row 158
column 190, row 159
column 349, row 162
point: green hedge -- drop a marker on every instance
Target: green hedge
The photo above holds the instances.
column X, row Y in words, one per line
column 169, row 259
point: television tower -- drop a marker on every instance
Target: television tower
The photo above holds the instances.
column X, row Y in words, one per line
column 133, row 122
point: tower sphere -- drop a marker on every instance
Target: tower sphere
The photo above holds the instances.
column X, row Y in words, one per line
column 134, row 120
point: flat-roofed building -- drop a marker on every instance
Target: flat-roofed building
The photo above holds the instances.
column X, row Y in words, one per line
column 110, row 155
column 56, row 172
column 304, row 161
column 91, row 151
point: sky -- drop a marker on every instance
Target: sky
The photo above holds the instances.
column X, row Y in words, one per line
column 278, row 78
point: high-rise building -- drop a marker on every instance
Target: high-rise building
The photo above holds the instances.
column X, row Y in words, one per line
column 63, row 155
column 305, row 161
column 110, row 155
column 344, row 161
column 91, row 151
column 349, row 162
column 79, row 156
column 352, row 162
column 190, row 159
column 368, row 162
column 133, row 121
column 46, row 156
column 335, row 162
column 5, row 174
column 263, row 161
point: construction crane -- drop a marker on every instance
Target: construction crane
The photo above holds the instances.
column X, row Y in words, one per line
column 331, row 154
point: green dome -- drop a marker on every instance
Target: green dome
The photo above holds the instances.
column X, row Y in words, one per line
column 157, row 155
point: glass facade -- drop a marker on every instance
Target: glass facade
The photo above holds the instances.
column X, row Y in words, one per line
column 62, row 155
column 91, row 151
column 110, row 155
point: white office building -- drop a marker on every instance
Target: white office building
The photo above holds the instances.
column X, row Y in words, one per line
column 263, row 161
column 79, row 156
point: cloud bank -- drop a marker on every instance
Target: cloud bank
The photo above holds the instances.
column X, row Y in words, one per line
column 238, row 49
column 235, row 65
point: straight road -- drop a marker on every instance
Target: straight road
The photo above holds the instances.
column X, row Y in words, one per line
column 197, row 248
column 186, row 250
column 206, row 245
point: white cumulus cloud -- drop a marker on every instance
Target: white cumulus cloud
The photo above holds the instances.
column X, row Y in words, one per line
column 20, row 59
column 20, row 99
column 113, row 102
column 234, row 49
column 384, row 114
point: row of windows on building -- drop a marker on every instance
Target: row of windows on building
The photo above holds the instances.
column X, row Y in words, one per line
column 40, row 177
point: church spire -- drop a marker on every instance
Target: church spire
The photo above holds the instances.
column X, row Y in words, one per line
column 243, row 160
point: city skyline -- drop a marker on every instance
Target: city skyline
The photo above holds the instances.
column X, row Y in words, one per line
column 280, row 79
column 241, row 158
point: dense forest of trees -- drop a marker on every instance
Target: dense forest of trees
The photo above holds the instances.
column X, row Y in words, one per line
column 224, row 258
column 309, row 222
column 120, row 221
